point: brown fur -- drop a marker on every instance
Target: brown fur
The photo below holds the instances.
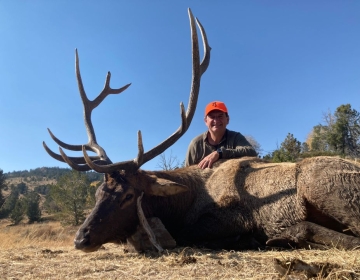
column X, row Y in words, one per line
column 237, row 204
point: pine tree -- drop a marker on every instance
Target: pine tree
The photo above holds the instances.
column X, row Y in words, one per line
column 9, row 204
column 344, row 136
column 69, row 195
column 33, row 211
column 340, row 134
column 2, row 186
column 290, row 150
column 17, row 214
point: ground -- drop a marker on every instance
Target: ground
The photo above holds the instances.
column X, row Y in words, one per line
column 45, row 251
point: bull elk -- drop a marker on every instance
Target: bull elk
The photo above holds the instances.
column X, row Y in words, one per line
column 241, row 203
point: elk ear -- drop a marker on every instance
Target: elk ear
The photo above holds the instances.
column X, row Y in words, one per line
column 163, row 187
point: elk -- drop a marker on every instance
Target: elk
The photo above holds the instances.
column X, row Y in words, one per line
column 242, row 203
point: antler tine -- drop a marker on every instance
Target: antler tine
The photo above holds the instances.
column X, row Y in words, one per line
column 76, row 163
column 64, row 145
column 140, row 156
column 72, row 164
column 108, row 90
column 109, row 167
column 75, row 160
column 197, row 70
column 92, row 145
column 206, row 60
column 90, row 105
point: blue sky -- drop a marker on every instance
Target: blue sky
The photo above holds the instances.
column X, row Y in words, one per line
column 278, row 65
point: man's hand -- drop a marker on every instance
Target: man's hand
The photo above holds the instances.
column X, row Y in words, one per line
column 208, row 160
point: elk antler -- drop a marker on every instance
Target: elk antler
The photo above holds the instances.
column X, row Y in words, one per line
column 101, row 163
column 79, row 163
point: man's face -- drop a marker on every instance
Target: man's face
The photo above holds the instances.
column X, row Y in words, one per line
column 216, row 121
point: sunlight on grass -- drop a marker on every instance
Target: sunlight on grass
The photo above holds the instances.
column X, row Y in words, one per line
column 46, row 251
column 46, row 234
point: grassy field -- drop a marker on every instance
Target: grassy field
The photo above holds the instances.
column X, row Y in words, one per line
column 45, row 251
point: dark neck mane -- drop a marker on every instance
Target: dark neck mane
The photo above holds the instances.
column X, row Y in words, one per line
column 172, row 209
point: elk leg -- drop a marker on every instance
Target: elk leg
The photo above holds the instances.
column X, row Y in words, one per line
column 309, row 235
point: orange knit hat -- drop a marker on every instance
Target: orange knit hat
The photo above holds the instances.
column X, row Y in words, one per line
column 215, row 105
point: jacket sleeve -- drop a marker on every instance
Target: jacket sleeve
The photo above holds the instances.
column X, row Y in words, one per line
column 241, row 148
column 195, row 151
column 189, row 159
column 190, row 154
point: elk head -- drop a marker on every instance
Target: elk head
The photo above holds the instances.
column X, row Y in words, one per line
column 114, row 217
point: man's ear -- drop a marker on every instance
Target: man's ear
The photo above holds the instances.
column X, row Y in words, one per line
column 163, row 187
column 228, row 119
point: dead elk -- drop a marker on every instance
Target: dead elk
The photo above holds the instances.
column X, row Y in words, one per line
column 238, row 204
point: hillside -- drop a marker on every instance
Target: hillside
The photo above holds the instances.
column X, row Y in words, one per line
column 43, row 176
column 39, row 180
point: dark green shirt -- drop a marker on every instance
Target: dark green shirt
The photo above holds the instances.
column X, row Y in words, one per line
column 233, row 145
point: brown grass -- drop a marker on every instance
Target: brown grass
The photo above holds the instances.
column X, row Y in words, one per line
column 45, row 251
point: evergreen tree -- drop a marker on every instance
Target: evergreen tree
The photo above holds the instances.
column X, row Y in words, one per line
column 9, row 204
column 33, row 211
column 91, row 200
column 344, row 136
column 42, row 189
column 17, row 214
column 2, row 186
column 290, row 150
column 69, row 195
column 22, row 188
column 340, row 134
column 319, row 141
column 304, row 147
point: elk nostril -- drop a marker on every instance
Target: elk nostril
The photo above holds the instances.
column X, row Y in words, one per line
column 82, row 239
column 81, row 243
column 86, row 233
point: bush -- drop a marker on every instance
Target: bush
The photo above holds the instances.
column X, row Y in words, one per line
column 17, row 214
column 33, row 211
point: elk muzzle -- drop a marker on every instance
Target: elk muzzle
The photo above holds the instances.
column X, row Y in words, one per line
column 83, row 242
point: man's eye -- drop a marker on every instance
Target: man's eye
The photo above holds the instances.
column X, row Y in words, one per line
column 219, row 117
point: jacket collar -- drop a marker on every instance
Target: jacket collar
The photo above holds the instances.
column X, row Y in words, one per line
column 205, row 134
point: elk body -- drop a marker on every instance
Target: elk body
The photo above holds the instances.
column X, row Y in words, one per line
column 238, row 204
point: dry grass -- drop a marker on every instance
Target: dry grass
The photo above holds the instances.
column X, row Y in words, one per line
column 45, row 251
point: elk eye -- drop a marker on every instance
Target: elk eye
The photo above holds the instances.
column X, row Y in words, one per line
column 128, row 196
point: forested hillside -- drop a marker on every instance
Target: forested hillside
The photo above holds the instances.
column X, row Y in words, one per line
column 49, row 173
column 64, row 194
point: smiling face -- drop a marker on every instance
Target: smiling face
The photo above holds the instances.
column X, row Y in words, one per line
column 216, row 121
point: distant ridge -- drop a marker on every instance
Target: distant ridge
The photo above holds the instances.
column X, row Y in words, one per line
column 50, row 173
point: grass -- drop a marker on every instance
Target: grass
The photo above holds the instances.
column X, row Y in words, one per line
column 24, row 235
column 45, row 251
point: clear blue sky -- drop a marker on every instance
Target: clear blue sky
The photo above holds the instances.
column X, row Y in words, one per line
column 278, row 65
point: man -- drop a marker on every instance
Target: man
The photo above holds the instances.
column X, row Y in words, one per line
column 218, row 142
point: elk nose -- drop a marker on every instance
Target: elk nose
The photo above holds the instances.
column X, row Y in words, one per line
column 82, row 239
